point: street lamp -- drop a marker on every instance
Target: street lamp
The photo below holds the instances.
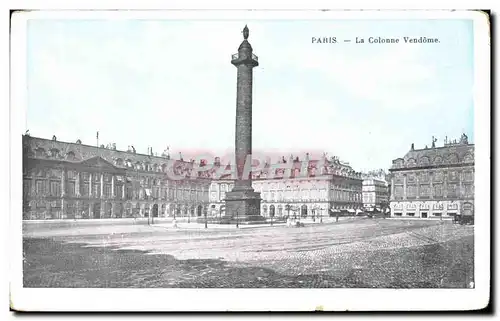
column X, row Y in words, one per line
column 287, row 208
column 237, row 218
column 205, row 213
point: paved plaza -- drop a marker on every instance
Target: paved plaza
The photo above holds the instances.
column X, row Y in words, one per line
column 356, row 253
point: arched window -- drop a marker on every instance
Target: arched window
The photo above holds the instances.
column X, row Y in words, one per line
column 411, row 162
column 468, row 158
column 70, row 156
column 137, row 210
column 54, row 152
column 271, row 210
column 424, row 160
column 452, row 158
column 303, row 211
column 40, row 152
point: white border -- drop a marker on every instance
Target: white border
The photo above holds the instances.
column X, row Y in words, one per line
column 256, row 299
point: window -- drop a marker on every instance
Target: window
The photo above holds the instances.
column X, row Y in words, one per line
column 71, row 188
column 412, row 191
column 55, row 188
column 437, row 214
column 129, row 192
column 27, row 187
column 107, row 190
column 71, row 210
column 85, row 189
column 96, row 191
column 71, row 174
column 410, row 214
column 438, row 191
column 452, row 190
column 40, row 187
column 398, row 214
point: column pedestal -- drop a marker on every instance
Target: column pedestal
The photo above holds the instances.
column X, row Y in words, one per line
column 243, row 206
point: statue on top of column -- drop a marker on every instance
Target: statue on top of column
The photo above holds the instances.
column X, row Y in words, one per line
column 245, row 32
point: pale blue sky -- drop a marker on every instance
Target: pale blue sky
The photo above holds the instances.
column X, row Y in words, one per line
column 170, row 83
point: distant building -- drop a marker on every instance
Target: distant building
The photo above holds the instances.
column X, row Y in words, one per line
column 375, row 193
column 435, row 182
column 323, row 192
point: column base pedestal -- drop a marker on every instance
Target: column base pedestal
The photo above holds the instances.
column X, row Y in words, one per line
column 243, row 206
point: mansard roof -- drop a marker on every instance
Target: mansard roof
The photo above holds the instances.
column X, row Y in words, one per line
column 451, row 154
column 329, row 167
column 39, row 148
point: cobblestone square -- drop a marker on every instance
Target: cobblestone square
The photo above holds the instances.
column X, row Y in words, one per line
column 362, row 253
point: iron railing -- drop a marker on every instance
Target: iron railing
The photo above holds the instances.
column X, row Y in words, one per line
column 236, row 56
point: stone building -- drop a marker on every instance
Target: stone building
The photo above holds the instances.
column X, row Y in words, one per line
column 375, row 192
column 64, row 180
column 435, row 182
column 334, row 187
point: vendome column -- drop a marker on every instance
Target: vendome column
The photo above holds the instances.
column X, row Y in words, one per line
column 243, row 203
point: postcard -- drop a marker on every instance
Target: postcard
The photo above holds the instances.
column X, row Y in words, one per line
column 192, row 160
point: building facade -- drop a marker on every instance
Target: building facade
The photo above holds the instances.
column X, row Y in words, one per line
column 435, row 182
column 375, row 193
column 74, row 181
column 63, row 180
column 321, row 192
